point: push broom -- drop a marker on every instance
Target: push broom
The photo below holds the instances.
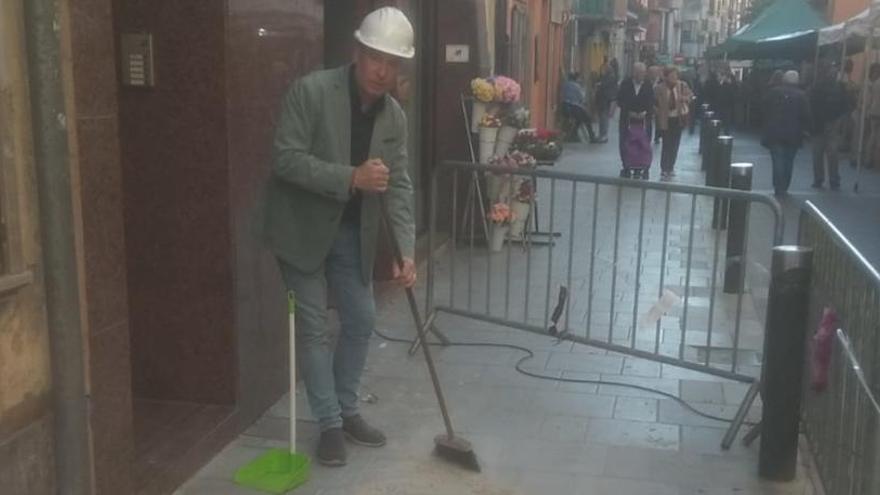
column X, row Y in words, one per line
column 280, row 471
column 448, row 446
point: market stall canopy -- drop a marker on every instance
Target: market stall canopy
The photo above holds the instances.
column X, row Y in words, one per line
column 786, row 29
column 854, row 30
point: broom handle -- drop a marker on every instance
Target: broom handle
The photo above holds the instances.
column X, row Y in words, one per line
column 291, row 323
column 420, row 328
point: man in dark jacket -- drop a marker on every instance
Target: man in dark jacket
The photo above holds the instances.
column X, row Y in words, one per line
column 636, row 101
column 788, row 117
column 692, row 78
column 606, row 93
column 830, row 104
column 720, row 93
column 655, row 78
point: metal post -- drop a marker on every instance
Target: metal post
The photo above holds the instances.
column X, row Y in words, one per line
column 74, row 465
column 740, row 179
column 704, row 119
column 720, row 175
column 869, row 57
column 784, row 345
column 713, row 130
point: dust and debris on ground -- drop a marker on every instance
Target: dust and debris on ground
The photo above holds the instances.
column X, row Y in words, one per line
column 427, row 478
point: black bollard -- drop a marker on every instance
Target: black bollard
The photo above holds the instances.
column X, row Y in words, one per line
column 720, row 177
column 713, row 130
column 740, row 179
column 785, row 339
column 704, row 123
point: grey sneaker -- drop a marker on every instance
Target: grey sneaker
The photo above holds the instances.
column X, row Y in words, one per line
column 331, row 448
column 358, row 431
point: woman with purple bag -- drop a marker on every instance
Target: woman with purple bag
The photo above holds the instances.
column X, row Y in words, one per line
column 636, row 101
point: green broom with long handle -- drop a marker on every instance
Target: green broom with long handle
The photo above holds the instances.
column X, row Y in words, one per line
column 280, row 471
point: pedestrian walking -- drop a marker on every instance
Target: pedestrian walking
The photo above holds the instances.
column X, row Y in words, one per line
column 673, row 97
column 775, row 79
column 726, row 99
column 655, row 76
column 872, row 147
column 721, row 94
column 788, row 115
column 606, row 94
column 340, row 143
column 830, row 104
column 849, row 125
column 636, row 101
column 574, row 106
column 693, row 81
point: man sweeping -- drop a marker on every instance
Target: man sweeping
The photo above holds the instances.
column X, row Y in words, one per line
column 340, row 144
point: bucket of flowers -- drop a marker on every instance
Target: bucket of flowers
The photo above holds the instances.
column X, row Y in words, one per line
column 545, row 145
column 507, row 90
column 521, row 206
column 512, row 122
column 501, row 217
column 502, row 185
column 483, row 90
column 489, row 126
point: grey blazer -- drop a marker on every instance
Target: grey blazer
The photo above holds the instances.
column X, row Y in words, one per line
column 311, row 174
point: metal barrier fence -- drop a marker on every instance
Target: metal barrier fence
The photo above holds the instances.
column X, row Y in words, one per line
column 628, row 266
column 842, row 422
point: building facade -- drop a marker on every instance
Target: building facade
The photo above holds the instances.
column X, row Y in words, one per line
column 663, row 31
column 140, row 317
column 601, row 27
column 706, row 23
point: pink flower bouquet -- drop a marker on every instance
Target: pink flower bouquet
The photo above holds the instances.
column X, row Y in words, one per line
column 500, row 214
column 506, row 90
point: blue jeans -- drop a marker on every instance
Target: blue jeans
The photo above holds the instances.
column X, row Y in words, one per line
column 332, row 377
column 783, row 165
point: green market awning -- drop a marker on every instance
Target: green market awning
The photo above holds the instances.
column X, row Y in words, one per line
column 786, row 29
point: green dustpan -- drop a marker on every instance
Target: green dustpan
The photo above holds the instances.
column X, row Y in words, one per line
column 280, row 471
column 276, row 471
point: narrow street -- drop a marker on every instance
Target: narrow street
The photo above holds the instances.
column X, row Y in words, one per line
column 195, row 195
column 542, row 436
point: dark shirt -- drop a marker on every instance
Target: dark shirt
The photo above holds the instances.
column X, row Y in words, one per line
column 829, row 101
column 606, row 90
column 361, row 136
column 788, row 116
column 629, row 101
column 723, row 97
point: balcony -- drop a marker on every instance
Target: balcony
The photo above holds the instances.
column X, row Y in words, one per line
column 594, row 8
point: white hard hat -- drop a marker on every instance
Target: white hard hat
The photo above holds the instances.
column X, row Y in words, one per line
column 389, row 31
